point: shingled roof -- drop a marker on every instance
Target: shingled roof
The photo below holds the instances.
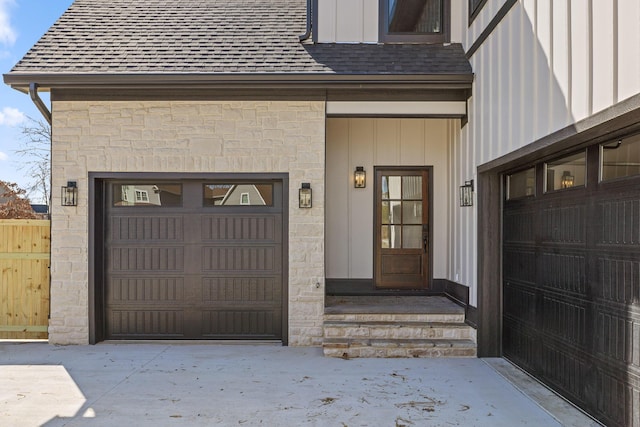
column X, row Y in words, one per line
column 213, row 38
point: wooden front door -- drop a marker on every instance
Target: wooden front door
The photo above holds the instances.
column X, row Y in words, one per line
column 402, row 254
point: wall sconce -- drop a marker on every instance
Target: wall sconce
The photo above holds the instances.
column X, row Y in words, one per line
column 304, row 195
column 567, row 180
column 466, row 194
column 69, row 194
column 359, row 177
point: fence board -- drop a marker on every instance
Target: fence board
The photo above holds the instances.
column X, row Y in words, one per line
column 25, row 247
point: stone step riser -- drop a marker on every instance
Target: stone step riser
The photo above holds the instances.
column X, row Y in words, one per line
column 377, row 352
column 399, row 332
column 348, row 348
column 422, row 318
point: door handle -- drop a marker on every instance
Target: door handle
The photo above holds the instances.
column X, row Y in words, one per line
column 425, row 241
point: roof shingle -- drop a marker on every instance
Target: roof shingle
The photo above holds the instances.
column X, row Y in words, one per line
column 214, row 37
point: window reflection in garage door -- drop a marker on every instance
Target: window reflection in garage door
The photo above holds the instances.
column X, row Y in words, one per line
column 239, row 194
column 147, row 194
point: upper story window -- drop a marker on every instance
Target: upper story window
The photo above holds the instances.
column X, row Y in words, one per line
column 475, row 6
column 414, row 21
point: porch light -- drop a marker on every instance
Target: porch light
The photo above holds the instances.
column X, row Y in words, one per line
column 567, row 180
column 359, row 177
column 466, row 194
column 69, row 194
column 304, row 195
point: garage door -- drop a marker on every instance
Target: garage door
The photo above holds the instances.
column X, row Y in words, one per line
column 571, row 277
column 194, row 260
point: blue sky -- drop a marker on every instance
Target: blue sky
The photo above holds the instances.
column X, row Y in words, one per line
column 22, row 23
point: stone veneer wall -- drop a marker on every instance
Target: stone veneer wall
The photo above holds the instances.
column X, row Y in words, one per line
column 187, row 136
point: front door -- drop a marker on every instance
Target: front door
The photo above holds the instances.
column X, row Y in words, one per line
column 402, row 255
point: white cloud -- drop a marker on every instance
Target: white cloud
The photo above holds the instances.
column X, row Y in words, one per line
column 3, row 156
column 11, row 116
column 7, row 32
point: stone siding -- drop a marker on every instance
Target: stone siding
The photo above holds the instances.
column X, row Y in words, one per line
column 187, row 136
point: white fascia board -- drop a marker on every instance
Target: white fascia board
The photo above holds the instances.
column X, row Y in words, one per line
column 397, row 108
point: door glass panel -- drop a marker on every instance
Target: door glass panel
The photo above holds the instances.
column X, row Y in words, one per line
column 567, row 172
column 385, row 213
column 620, row 158
column 412, row 187
column 395, row 213
column 401, row 211
column 395, row 236
column 385, row 187
column 238, row 194
column 395, row 187
column 412, row 236
column 385, row 240
column 412, row 212
column 147, row 194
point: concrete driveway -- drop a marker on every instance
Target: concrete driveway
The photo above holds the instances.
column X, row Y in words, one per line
column 262, row 385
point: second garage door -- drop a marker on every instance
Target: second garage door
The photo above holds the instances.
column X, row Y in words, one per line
column 194, row 260
column 571, row 277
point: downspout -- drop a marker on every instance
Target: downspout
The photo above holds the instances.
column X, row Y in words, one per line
column 33, row 93
column 307, row 34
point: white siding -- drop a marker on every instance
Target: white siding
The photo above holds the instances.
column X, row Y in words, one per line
column 381, row 142
column 546, row 66
column 347, row 21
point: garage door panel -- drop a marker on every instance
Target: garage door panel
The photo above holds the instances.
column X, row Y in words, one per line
column 150, row 290
column 232, row 258
column 241, row 323
column 519, row 265
column 564, row 224
column 563, row 271
column 258, row 228
column 615, row 333
column 619, row 279
column 565, row 318
column 147, row 229
column 141, row 259
column 248, row 289
column 140, row 323
column 620, row 222
column 522, row 303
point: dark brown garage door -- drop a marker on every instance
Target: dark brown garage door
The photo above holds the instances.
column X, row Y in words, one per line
column 571, row 277
column 194, row 260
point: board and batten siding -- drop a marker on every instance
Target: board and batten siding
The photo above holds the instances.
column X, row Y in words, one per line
column 347, row 21
column 548, row 64
column 373, row 142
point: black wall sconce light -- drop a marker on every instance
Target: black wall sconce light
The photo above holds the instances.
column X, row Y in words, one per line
column 567, row 180
column 69, row 194
column 466, row 194
column 360, row 177
column 304, row 195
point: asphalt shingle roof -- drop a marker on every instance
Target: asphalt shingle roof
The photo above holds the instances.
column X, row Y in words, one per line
column 215, row 37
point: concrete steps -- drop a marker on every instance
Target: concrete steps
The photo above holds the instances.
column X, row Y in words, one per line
column 388, row 334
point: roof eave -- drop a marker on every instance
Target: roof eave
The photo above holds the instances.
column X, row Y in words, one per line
column 48, row 81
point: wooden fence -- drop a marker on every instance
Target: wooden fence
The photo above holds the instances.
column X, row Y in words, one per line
column 24, row 278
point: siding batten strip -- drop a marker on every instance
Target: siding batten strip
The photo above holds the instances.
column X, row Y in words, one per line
column 492, row 26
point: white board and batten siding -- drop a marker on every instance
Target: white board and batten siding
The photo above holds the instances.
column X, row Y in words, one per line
column 373, row 142
column 546, row 66
column 347, row 21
